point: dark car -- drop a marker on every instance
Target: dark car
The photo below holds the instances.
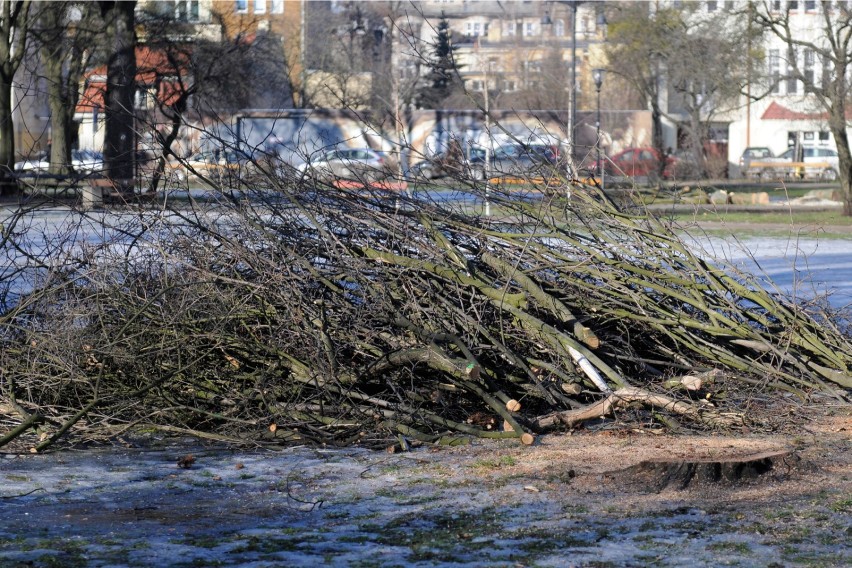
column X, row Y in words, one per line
column 517, row 160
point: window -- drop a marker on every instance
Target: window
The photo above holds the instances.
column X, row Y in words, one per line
column 186, row 10
column 823, row 137
column 476, row 86
column 241, row 6
column 792, row 82
column 793, row 5
column 809, row 136
column 559, row 28
column 792, row 85
column 776, row 5
column 509, row 29
column 276, row 7
column 774, row 70
column 529, row 29
column 810, row 5
column 508, row 85
column 809, row 68
column 531, row 66
column 711, row 5
column 259, row 6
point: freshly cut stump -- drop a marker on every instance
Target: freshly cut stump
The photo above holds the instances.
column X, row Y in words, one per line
column 659, row 474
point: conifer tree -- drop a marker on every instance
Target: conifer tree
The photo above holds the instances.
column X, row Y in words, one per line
column 442, row 80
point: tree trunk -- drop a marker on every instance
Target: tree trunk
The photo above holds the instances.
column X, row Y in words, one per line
column 120, row 146
column 838, row 129
column 660, row 474
column 60, row 148
column 8, row 184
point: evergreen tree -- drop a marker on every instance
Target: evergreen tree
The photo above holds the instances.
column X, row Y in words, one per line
column 442, row 80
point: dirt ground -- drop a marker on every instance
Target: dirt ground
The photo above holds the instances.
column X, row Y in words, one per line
column 568, row 500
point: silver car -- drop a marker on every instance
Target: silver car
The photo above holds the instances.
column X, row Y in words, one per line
column 360, row 164
column 823, row 163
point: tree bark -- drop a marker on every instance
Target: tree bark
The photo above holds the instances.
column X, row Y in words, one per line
column 120, row 145
column 13, row 37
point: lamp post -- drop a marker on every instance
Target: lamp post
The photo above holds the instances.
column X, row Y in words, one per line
column 600, row 22
column 598, row 76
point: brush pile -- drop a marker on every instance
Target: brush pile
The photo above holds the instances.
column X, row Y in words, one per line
column 333, row 317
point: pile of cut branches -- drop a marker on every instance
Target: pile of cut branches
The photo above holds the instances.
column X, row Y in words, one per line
column 330, row 316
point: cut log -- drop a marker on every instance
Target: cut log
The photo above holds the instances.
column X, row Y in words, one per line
column 630, row 395
column 660, row 474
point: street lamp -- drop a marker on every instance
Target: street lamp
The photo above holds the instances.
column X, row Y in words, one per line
column 598, row 76
column 600, row 21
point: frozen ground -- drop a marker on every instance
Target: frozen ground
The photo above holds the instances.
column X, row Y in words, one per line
column 562, row 502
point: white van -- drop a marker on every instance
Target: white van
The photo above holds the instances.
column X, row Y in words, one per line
column 825, row 162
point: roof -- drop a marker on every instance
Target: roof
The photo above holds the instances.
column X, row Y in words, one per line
column 153, row 69
column 776, row 111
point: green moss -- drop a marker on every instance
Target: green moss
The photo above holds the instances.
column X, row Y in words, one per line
column 494, row 463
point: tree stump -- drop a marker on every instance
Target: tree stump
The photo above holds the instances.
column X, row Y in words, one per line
column 660, row 474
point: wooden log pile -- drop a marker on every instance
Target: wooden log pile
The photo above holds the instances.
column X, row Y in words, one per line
column 338, row 316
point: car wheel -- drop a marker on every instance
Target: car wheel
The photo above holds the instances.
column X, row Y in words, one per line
column 829, row 174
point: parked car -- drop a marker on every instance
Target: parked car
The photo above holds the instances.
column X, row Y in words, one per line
column 517, row 160
column 210, row 164
column 755, row 153
column 87, row 161
column 347, row 163
column 83, row 161
column 452, row 163
column 637, row 162
column 822, row 163
column 34, row 164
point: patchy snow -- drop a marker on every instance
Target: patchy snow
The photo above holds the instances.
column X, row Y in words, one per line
column 561, row 502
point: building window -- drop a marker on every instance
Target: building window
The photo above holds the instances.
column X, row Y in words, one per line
column 810, row 5
column 531, row 66
column 509, row 29
column 775, row 70
column 809, row 68
column 276, row 7
column 559, row 28
column 711, row 5
column 792, row 83
column 508, row 85
column 529, row 29
column 477, row 86
column 793, row 5
column 241, row 6
column 823, row 137
column 186, row 10
column 259, row 6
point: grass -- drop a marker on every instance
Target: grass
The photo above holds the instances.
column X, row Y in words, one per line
column 792, row 218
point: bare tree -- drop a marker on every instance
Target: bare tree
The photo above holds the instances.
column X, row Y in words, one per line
column 120, row 145
column 683, row 62
column 64, row 35
column 637, row 48
column 829, row 42
column 707, row 73
column 14, row 15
